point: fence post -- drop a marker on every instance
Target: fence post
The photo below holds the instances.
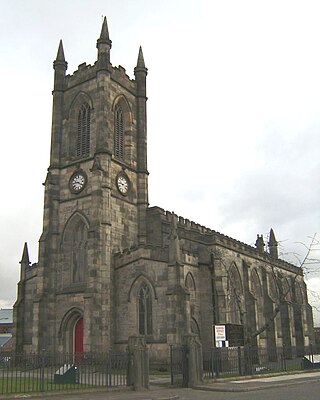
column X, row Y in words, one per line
column 212, row 360
column 311, row 354
column 138, row 371
column 195, row 360
column 171, row 364
column 109, row 370
column 284, row 362
column 42, row 370
column 217, row 353
column 239, row 360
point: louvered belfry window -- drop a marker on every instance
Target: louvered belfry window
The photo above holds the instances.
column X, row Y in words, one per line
column 119, row 134
column 83, row 137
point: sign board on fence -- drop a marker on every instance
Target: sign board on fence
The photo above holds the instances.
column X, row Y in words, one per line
column 219, row 335
column 235, row 335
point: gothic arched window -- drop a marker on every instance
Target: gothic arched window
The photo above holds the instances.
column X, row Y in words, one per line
column 286, row 290
column 273, row 288
column 83, row 135
column 235, row 295
column 79, row 253
column 299, row 294
column 145, row 310
column 256, row 290
column 190, row 285
column 256, row 285
column 119, row 133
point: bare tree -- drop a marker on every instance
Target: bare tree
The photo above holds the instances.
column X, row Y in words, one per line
column 309, row 264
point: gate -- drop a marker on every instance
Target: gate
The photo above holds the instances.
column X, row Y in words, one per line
column 179, row 365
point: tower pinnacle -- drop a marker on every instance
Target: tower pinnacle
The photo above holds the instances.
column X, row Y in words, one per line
column 104, row 45
column 104, row 35
column 25, row 261
column 60, row 66
column 140, row 73
column 140, row 62
column 60, row 54
column 273, row 245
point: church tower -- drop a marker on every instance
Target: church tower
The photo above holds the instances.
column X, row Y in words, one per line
column 96, row 196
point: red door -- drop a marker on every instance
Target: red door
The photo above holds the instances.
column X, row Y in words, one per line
column 78, row 336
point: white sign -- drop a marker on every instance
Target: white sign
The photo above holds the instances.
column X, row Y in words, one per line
column 219, row 333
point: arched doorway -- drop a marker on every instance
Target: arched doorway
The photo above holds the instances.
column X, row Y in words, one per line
column 78, row 336
column 72, row 332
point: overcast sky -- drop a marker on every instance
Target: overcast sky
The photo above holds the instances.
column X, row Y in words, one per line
column 233, row 111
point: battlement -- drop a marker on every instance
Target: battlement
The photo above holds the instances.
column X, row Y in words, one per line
column 134, row 253
column 31, row 271
column 206, row 236
column 87, row 72
column 120, row 76
column 83, row 73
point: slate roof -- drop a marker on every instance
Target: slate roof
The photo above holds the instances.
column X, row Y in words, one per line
column 6, row 316
column 4, row 337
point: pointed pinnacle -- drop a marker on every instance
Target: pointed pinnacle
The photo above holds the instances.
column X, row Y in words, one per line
column 25, row 255
column 140, row 62
column 272, row 238
column 104, row 30
column 60, row 54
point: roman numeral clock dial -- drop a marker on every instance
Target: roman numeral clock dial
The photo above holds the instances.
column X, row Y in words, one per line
column 123, row 184
column 77, row 182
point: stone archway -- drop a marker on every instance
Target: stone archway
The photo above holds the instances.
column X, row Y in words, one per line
column 71, row 331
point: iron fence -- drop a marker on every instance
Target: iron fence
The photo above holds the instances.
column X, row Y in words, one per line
column 22, row 373
column 179, row 365
column 247, row 360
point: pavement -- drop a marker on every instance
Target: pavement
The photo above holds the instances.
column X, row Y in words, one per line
column 160, row 390
column 259, row 382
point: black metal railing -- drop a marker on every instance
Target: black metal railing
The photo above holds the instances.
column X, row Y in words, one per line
column 247, row 360
column 22, row 373
column 179, row 365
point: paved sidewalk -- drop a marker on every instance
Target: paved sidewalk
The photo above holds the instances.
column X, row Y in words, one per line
column 258, row 383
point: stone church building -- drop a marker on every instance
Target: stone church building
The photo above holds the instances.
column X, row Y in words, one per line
column 110, row 266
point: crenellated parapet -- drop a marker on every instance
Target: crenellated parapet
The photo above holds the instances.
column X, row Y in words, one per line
column 189, row 231
column 32, row 271
column 135, row 254
column 86, row 72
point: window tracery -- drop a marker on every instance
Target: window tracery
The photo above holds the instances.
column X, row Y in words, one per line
column 145, row 310
column 79, row 253
column 235, row 295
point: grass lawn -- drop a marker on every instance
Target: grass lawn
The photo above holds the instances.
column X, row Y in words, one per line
column 22, row 385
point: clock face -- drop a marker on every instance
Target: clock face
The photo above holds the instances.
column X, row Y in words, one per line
column 123, row 184
column 77, row 182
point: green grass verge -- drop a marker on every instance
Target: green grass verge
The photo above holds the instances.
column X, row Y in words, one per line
column 23, row 385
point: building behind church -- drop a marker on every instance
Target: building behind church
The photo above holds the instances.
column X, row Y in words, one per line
column 111, row 267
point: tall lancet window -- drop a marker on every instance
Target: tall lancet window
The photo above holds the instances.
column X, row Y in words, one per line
column 79, row 253
column 119, row 133
column 145, row 310
column 83, row 137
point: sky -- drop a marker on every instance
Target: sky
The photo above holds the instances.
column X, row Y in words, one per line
column 233, row 113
